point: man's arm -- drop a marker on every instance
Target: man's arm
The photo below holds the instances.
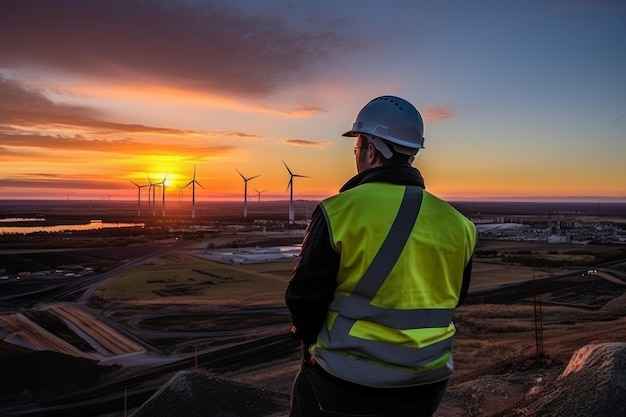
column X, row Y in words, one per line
column 467, row 274
column 312, row 285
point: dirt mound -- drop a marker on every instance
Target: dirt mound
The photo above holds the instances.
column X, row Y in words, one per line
column 192, row 394
column 592, row 385
column 44, row 374
column 616, row 305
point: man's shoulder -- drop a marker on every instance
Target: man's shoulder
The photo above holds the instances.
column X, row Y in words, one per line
column 439, row 204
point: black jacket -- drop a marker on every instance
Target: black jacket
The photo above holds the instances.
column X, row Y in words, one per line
column 312, row 285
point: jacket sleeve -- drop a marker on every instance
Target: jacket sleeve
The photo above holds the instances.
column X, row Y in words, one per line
column 467, row 274
column 312, row 285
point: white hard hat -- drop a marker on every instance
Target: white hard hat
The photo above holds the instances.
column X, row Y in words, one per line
column 392, row 119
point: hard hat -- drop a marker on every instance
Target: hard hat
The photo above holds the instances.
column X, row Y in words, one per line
column 392, row 119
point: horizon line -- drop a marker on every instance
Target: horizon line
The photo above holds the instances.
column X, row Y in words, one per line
column 530, row 199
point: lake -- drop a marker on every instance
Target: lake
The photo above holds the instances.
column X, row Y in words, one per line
column 32, row 227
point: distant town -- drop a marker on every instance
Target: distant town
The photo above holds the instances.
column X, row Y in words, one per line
column 550, row 223
column 580, row 231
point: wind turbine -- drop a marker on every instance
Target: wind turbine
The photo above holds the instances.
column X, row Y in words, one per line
column 290, row 188
column 193, row 183
column 162, row 184
column 259, row 193
column 245, row 192
column 139, row 187
column 180, row 194
column 152, row 188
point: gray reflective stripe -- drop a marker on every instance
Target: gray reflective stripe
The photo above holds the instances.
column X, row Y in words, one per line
column 379, row 376
column 339, row 339
column 359, row 308
column 388, row 254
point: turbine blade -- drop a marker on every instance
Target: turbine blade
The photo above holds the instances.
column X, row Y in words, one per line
column 287, row 167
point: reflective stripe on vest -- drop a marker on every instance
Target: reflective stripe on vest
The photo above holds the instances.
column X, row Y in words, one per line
column 359, row 308
column 374, row 375
column 401, row 355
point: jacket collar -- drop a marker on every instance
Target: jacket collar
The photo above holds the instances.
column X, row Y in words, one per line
column 393, row 174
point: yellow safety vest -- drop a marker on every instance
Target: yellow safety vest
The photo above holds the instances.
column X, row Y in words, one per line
column 399, row 280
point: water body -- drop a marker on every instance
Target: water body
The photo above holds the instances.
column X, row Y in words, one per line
column 34, row 228
column 21, row 219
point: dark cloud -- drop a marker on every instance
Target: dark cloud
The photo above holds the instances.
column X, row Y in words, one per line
column 40, row 181
column 196, row 45
column 238, row 135
column 26, row 106
column 308, row 143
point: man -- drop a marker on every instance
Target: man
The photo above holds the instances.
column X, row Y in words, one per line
column 383, row 265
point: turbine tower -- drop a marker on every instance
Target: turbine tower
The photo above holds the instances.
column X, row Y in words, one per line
column 259, row 193
column 245, row 192
column 193, row 183
column 290, row 188
column 153, row 189
column 162, row 184
column 180, row 194
column 139, row 187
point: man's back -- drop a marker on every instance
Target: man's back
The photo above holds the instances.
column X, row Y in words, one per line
column 412, row 288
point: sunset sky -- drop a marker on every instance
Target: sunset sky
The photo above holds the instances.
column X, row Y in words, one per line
column 523, row 99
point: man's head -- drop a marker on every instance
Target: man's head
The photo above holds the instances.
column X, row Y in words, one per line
column 389, row 131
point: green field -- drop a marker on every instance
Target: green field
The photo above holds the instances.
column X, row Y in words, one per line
column 179, row 277
column 487, row 275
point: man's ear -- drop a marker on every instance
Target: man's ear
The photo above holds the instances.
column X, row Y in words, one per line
column 372, row 154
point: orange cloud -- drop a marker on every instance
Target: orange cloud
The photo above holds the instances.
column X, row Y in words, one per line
column 21, row 145
column 31, row 123
column 21, row 106
column 437, row 113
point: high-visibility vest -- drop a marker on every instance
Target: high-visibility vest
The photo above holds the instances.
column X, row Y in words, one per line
column 402, row 256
